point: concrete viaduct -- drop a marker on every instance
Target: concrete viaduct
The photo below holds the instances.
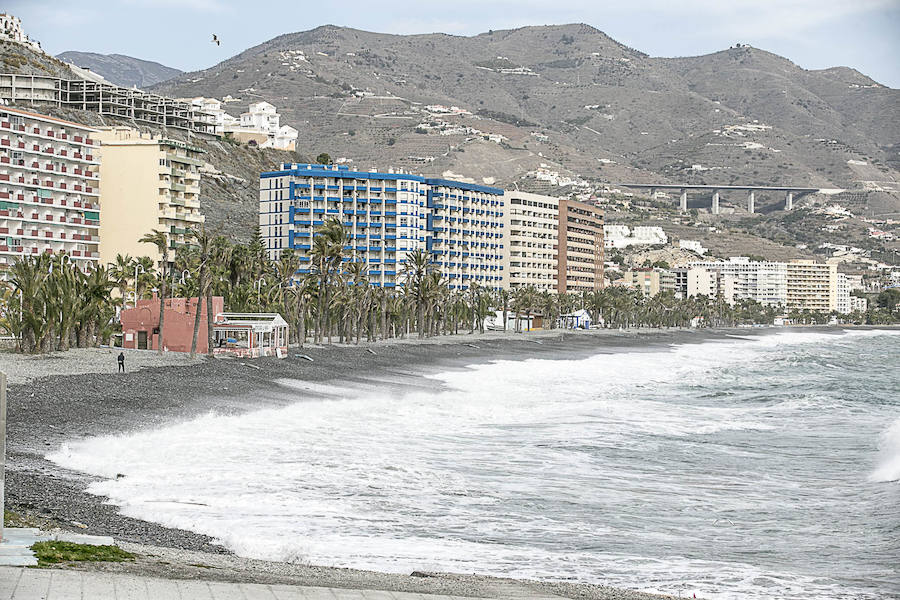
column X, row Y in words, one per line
column 790, row 192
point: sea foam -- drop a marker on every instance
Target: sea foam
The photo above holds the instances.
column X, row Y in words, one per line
column 888, row 468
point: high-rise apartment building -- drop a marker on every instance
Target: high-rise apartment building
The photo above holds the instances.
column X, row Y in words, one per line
column 812, row 286
column 553, row 244
column 49, row 188
column 650, row 282
column 532, row 240
column 795, row 285
column 697, row 281
column 580, row 247
column 387, row 216
column 149, row 183
column 765, row 282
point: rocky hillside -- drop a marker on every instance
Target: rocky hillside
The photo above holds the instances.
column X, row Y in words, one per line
column 122, row 70
column 566, row 109
column 566, row 96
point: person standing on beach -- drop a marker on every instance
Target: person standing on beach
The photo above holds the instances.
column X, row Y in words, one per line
column 121, row 362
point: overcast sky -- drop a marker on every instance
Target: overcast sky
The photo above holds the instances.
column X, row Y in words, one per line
column 863, row 34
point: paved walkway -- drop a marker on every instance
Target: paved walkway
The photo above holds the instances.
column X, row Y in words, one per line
column 17, row 583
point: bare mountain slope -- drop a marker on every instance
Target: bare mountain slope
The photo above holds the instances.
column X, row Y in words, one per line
column 362, row 95
column 122, row 70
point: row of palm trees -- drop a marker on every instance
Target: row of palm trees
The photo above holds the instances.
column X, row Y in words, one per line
column 48, row 305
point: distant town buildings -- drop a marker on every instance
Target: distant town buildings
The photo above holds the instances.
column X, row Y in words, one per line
column 693, row 245
column 532, row 241
column 803, row 285
column 151, row 183
column 49, row 188
column 649, row 282
column 11, row 29
column 106, row 99
column 764, row 282
column 813, row 286
column 691, row 282
column 621, row 236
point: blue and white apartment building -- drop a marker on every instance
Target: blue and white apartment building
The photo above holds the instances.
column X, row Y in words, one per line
column 387, row 216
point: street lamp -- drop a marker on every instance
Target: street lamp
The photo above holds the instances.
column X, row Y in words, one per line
column 259, row 283
column 136, row 267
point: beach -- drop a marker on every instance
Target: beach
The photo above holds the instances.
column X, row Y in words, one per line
column 48, row 412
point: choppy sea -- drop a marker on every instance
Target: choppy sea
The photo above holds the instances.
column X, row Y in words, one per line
column 760, row 467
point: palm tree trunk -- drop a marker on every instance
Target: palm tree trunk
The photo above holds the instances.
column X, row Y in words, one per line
column 301, row 320
column 198, row 309
column 162, row 305
column 384, row 317
column 210, row 319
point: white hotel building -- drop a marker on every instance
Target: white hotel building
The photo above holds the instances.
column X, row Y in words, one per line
column 49, row 188
column 765, row 282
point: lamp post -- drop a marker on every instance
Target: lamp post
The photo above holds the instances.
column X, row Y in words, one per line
column 136, row 267
column 259, row 283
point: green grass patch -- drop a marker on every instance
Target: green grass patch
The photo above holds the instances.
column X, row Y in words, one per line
column 14, row 519
column 53, row 552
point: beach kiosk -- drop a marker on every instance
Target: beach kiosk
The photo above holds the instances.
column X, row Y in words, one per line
column 580, row 319
column 250, row 335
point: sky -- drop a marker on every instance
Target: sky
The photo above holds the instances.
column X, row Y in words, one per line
column 815, row 34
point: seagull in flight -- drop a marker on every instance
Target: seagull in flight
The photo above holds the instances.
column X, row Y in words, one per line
column 216, row 40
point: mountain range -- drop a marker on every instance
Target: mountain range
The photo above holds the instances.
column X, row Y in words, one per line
column 119, row 69
column 560, row 110
column 568, row 97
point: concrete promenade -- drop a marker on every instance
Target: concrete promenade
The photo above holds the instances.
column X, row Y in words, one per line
column 17, row 583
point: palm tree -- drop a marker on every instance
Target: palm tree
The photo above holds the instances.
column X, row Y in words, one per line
column 121, row 271
column 327, row 253
column 95, row 308
column 161, row 241
column 358, row 274
column 203, row 241
column 418, row 265
column 219, row 254
column 503, row 297
column 27, row 277
column 525, row 301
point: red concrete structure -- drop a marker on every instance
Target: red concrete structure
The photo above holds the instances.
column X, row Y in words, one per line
column 140, row 325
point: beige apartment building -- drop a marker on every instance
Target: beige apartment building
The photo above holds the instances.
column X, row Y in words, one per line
column 149, row 182
column 49, row 189
column 532, row 228
column 650, row 282
column 553, row 244
column 812, row 286
column 580, row 247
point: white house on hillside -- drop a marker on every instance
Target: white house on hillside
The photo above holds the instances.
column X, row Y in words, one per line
column 261, row 116
column 261, row 125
